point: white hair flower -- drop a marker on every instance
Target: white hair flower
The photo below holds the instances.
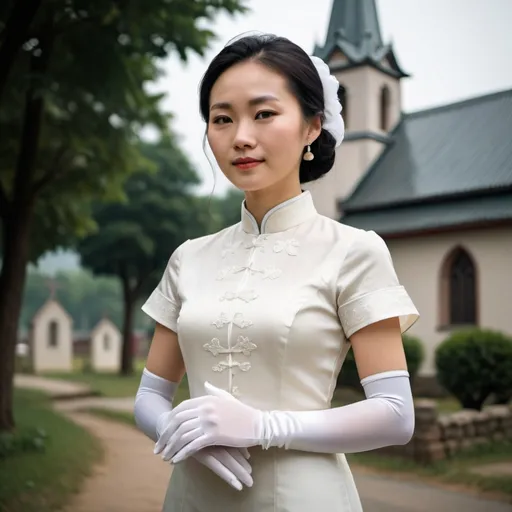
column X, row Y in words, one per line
column 333, row 122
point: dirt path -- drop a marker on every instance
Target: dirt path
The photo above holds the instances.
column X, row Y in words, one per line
column 130, row 479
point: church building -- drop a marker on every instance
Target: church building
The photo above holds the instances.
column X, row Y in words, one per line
column 436, row 185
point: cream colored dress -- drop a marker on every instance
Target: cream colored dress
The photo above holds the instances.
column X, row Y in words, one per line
column 267, row 316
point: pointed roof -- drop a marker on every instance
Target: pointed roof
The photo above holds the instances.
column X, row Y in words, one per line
column 49, row 304
column 354, row 29
column 442, row 170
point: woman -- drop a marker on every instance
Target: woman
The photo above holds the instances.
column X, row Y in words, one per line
column 262, row 314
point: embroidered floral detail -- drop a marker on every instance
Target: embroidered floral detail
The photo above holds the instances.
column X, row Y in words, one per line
column 239, row 321
column 246, row 296
column 291, row 246
column 271, row 273
column 235, row 391
column 215, row 347
column 227, row 252
column 221, row 321
column 257, row 243
column 235, row 270
column 228, row 365
column 222, row 274
column 372, row 307
column 243, row 346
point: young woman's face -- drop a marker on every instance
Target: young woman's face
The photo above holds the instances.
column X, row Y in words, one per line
column 256, row 128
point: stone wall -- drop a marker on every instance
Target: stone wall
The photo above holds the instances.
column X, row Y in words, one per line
column 438, row 437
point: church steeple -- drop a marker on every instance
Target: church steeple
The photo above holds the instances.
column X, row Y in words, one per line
column 370, row 94
column 354, row 30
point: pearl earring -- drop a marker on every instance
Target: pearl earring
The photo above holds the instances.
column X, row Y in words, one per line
column 308, row 156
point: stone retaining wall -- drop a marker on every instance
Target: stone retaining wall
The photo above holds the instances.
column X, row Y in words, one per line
column 438, row 437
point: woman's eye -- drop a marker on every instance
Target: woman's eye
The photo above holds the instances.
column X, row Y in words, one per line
column 221, row 120
column 265, row 114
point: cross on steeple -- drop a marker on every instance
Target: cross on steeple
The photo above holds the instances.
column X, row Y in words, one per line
column 53, row 286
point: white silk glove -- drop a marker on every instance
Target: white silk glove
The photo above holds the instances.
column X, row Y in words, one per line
column 153, row 404
column 385, row 418
column 215, row 419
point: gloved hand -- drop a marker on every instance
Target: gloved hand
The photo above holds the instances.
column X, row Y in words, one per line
column 216, row 419
column 228, row 463
column 385, row 418
column 153, row 406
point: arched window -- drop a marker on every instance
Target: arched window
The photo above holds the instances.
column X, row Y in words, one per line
column 53, row 334
column 342, row 96
column 459, row 289
column 385, row 100
column 106, row 343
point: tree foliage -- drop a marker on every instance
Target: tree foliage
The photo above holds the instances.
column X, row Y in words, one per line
column 73, row 99
column 135, row 238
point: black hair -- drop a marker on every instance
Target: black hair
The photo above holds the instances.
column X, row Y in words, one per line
column 292, row 62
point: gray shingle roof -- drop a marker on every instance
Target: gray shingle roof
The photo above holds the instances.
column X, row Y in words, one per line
column 434, row 216
column 444, row 152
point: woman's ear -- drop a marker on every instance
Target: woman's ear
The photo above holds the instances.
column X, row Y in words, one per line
column 314, row 130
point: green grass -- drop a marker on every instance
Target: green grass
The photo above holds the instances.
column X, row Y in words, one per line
column 454, row 471
column 43, row 480
column 108, row 414
column 105, row 384
column 127, row 417
column 112, row 385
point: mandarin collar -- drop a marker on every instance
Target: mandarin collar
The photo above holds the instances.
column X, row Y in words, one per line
column 282, row 217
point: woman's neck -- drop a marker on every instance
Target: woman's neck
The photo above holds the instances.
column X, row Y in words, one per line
column 259, row 202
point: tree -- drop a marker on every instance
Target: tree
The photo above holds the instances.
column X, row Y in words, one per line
column 228, row 207
column 81, row 106
column 136, row 238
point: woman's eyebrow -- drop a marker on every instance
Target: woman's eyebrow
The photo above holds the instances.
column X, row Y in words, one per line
column 254, row 101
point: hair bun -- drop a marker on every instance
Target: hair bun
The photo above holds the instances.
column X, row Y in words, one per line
column 324, row 150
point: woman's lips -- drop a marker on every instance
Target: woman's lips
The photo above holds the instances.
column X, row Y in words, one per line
column 248, row 165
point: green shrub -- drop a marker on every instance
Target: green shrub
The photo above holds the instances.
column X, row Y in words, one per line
column 414, row 353
column 475, row 365
column 11, row 443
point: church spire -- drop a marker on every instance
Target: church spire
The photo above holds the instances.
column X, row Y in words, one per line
column 357, row 22
column 354, row 30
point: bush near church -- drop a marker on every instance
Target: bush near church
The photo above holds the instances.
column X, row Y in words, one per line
column 475, row 366
column 414, row 354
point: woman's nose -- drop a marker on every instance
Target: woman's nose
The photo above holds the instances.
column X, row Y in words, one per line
column 244, row 136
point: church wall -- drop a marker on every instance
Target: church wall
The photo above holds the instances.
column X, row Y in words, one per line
column 352, row 159
column 363, row 88
column 375, row 81
column 418, row 262
column 106, row 347
column 52, row 358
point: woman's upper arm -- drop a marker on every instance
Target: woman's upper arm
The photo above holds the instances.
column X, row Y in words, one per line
column 378, row 348
column 164, row 357
column 163, row 306
column 373, row 307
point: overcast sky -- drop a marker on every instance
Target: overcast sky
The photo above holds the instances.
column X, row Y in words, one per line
column 454, row 49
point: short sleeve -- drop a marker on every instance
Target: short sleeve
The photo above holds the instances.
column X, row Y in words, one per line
column 368, row 287
column 164, row 303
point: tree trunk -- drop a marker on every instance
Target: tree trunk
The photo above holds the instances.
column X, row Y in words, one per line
column 12, row 282
column 127, row 349
column 16, row 242
column 16, row 31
